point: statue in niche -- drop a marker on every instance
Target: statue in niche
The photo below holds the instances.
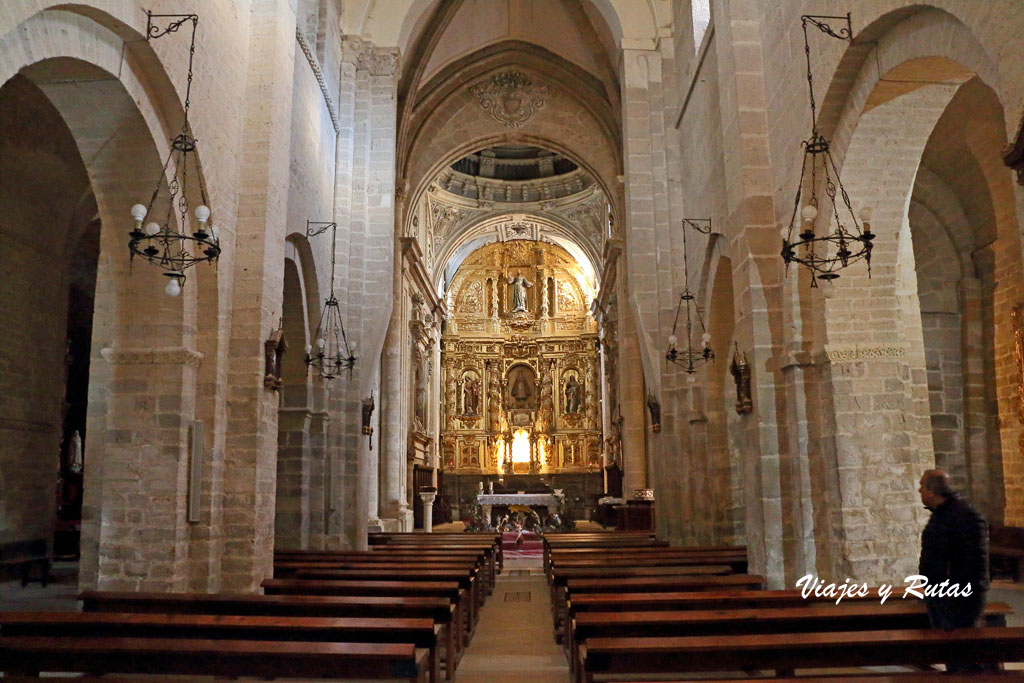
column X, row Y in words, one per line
column 273, row 351
column 522, row 389
column 573, row 395
column 740, row 370
column 519, row 285
column 420, row 405
column 471, row 397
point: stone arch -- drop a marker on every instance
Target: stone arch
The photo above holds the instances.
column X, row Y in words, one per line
column 448, row 121
column 143, row 370
column 485, row 227
column 911, row 67
column 724, row 466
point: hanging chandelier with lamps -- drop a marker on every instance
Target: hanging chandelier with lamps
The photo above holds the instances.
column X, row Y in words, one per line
column 164, row 244
column 333, row 353
column 690, row 358
column 849, row 242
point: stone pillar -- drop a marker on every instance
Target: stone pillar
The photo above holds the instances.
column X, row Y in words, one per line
column 650, row 262
column 366, row 189
column 251, row 450
column 143, row 533
column 394, row 426
column 319, row 495
column 428, row 509
column 753, row 234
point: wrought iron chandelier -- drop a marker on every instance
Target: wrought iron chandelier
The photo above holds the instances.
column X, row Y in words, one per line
column 167, row 245
column 691, row 358
column 333, row 352
column 848, row 243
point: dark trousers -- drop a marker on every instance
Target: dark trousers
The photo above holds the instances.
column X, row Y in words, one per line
column 950, row 613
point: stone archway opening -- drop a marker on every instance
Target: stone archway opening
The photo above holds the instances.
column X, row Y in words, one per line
column 918, row 136
column 49, row 249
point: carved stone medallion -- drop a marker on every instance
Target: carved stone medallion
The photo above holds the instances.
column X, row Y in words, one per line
column 511, row 97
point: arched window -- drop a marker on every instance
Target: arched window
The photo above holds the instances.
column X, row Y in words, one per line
column 701, row 10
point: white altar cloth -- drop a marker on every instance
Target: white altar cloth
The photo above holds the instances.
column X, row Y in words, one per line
column 550, row 500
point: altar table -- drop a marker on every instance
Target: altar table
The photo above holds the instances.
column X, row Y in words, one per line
column 550, row 500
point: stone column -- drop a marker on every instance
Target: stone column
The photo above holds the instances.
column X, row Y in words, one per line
column 394, row 426
column 251, row 450
column 647, row 286
column 367, row 202
column 428, row 510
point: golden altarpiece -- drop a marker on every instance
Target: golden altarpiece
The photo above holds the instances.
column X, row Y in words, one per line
column 520, row 363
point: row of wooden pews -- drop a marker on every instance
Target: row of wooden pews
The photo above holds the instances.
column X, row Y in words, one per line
column 624, row 623
column 393, row 612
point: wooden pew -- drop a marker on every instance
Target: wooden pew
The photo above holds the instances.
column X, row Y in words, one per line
column 450, row 590
column 440, row 610
column 607, row 657
column 896, row 677
column 490, row 543
column 611, row 543
column 423, row 633
column 566, row 582
column 814, row 617
column 400, row 554
column 29, row 655
column 464, row 577
column 737, row 559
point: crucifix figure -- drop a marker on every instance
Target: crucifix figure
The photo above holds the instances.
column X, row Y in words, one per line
column 519, row 285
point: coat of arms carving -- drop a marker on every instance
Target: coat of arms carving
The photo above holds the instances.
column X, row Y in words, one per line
column 511, row 97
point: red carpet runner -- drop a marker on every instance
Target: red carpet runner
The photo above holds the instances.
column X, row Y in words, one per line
column 529, row 546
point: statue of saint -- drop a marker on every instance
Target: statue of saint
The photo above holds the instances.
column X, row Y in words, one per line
column 470, row 397
column 573, row 395
column 519, row 285
column 521, row 388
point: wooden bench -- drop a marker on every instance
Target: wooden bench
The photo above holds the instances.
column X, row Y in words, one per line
column 634, row 583
column 465, row 577
column 735, row 558
column 24, row 555
column 1006, row 550
column 789, row 651
column 440, row 610
column 818, row 617
column 490, row 544
column 423, row 633
column 895, row 677
column 29, row 655
column 400, row 554
column 450, row 590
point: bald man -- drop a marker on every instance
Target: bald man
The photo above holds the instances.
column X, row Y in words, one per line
column 954, row 548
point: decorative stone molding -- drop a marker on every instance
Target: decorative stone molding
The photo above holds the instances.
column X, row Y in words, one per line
column 510, row 97
column 848, row 354
column 378, row 61
column 319, row 74
column 165, row 355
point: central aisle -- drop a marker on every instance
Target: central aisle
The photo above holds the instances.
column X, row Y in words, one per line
column 514, row 640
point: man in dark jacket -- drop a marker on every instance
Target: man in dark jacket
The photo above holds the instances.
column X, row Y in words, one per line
column 954, row 548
